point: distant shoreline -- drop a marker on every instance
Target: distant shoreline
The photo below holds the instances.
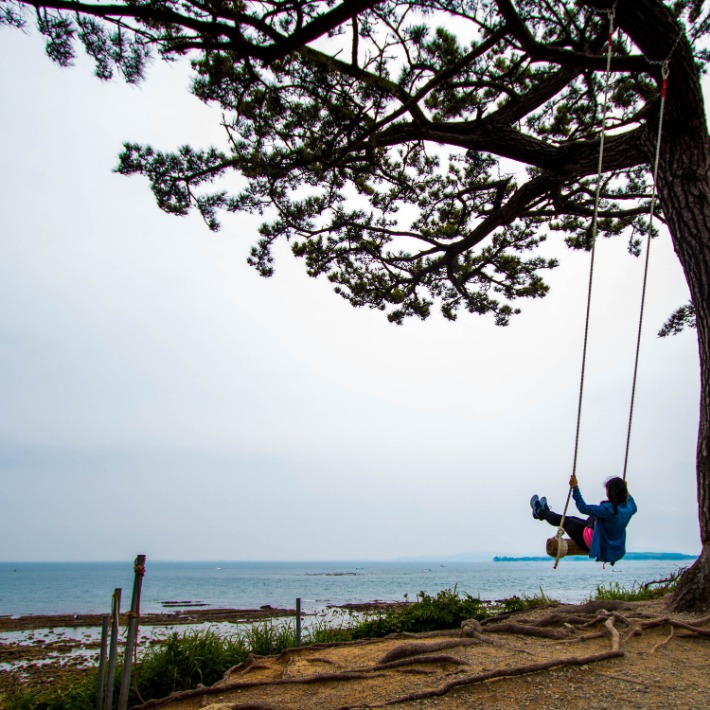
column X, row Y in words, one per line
column 644, row 556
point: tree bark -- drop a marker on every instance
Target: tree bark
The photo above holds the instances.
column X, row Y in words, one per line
column 684, row 192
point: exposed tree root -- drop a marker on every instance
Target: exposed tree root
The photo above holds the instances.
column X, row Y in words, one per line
column 473, row 629
column 503, row 673
column 615, row 652
column 440, row 659
column 239, row 685
column 418, row 634
column 416, row 649
column 586, row 609
column 584, row 637
column 425, row 657
column 256, row 666
column 560, row 618
column 528, row 631
column 321, row 659
column 690, row 627
column 664, row 642
column 508, row 614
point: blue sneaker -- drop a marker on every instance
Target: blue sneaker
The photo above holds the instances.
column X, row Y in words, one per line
column 535, row 505
column 539, row 507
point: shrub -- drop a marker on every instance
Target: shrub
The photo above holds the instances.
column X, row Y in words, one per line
column 516, row 603
column 184, row 660
column 638, row 592
column 446, row 610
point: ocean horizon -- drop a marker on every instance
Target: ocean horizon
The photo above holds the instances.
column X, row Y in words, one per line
column 86, row 587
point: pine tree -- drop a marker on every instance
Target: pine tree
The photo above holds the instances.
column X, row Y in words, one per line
column 417, row 152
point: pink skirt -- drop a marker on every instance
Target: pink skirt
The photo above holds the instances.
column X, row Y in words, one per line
column 588, row 534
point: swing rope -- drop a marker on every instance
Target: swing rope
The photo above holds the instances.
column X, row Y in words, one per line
column 595, row 224
column 561, row 544
column 648, row 254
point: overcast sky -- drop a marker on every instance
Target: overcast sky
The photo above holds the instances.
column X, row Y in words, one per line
column 158, row 397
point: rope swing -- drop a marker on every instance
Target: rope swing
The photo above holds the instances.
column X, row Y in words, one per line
column 559, row 546
column 651, row 213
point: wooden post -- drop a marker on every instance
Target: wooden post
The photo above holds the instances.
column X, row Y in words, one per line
column 139, row 569
column 298, row 622
column 102, row 662
column 115, row 611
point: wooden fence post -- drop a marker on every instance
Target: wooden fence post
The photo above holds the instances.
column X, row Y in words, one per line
column 139, row 569
column 102, row 662
column 115, row 611
column 298, row 622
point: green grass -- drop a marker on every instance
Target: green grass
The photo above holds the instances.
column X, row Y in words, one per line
column 328, row 634
column 270, row 638
column 327, row 630
column 184, row 660
column 516, row 603
column 75, row 694
column 637, row 592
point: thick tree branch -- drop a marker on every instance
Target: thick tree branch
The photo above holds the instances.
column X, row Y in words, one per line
column 577, row 159
column 573, row 60
column 283, row 45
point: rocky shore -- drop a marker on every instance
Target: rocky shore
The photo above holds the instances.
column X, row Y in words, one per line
column 44, row 649
column 173, row 618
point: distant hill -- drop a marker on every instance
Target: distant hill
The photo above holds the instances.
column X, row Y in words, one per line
column 487, row 556
column 672, row 556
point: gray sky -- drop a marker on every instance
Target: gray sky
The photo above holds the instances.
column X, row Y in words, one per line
column 157, row 396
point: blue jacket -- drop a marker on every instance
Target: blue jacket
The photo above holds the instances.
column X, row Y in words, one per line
column 609, row 541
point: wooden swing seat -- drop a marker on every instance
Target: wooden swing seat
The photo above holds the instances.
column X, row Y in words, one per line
column 569, row 547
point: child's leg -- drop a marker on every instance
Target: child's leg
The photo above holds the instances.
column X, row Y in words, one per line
column 573, row 526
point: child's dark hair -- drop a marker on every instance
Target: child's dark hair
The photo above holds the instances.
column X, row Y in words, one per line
column 617, row 492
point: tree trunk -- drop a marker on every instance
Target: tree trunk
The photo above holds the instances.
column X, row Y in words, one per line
column 684, row 190
column 684, row 193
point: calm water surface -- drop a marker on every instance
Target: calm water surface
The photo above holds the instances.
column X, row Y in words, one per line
column 71, row 587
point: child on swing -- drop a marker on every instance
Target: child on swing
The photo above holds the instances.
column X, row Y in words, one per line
column 603, row 534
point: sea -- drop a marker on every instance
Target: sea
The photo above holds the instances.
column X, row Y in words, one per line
column 87, row 587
